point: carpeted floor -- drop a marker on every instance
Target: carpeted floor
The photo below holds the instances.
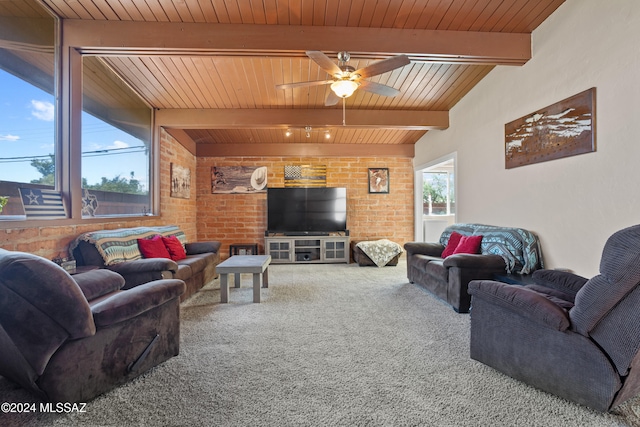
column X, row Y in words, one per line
column 330, row 345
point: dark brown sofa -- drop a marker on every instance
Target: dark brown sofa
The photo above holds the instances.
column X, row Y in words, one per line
column 503, row 250
column 118, row 250
column 574, row 337
column 69, row 340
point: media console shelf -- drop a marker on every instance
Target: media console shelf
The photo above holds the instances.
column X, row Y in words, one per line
column 307, row 249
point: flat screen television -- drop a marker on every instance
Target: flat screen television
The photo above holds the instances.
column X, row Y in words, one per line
column 306, row 211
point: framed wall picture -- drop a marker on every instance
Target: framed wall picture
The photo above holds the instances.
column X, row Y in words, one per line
column 378, row 180
column 564, row 129
column 238, row 179
column 180, row 181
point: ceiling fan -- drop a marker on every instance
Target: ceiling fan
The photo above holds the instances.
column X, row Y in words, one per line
column 345, row 79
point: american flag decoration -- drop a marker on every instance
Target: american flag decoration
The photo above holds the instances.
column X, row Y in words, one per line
column 42, row 204
column 305, row 176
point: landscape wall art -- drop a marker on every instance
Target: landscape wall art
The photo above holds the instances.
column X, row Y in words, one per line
column 563, row 129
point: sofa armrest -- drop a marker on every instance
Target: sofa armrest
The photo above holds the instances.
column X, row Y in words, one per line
column 430, row 249
column 478, row 261
column 128, row 304
column 560, row 280
column 202, row 247
column 523, row 301
column 144, row 265
column 96, row 283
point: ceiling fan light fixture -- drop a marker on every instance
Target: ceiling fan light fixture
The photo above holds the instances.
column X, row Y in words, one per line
column 344, row 88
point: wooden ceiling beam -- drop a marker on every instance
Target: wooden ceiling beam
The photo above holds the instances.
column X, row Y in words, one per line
column 280, row 118
column 305, row 150
column 171, row 38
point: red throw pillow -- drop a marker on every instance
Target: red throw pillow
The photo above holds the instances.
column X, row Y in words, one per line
column 174, row 247
column 452, row 244
column 153, row 248
column 469, row 245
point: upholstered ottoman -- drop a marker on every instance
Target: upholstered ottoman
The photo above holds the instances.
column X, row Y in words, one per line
column 381, row 252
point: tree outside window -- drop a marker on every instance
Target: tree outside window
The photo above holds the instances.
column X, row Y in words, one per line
column 437, row 193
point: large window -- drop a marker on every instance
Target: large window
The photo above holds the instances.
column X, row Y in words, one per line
column 48, row 161
column 116, row 136
column 27, row 104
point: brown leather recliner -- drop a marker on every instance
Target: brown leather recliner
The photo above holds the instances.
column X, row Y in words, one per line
column 70, row 338
column 574, row 337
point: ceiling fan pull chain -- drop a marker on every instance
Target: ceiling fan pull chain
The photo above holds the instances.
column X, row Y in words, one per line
column 344, row 111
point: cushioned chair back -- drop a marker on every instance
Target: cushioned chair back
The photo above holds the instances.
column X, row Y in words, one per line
column 41, row 306
column 606, row 308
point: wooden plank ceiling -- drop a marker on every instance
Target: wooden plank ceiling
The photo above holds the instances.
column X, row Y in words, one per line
column 215, row 85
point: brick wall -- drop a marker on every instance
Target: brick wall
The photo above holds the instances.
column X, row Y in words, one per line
column 53, row 241
column 241, row 218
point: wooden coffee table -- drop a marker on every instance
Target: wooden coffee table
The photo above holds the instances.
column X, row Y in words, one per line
column 255, row 264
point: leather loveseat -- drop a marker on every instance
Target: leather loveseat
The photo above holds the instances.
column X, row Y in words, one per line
column 70, row 338
column 118, row 250
column 503, row 249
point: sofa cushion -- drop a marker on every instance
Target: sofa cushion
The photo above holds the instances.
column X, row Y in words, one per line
column 452, row 244
column 153, row 247
column 468, row 245
column 438, row 271
column 184, row 272
column 420, row 261
column 198, row 262
column 174, row 247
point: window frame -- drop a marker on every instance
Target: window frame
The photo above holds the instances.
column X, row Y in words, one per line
column 68, row 143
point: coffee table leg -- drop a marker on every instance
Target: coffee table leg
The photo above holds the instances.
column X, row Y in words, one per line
column 224, row 287
column 265, row 278
column 256, row 287
column 236, row 280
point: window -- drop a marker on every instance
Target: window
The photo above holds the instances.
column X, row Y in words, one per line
column 438, row 190
column 435, row 198
column 27, row 105
column 116, row 136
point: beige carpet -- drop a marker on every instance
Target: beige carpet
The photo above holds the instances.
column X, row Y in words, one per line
column 330, row 345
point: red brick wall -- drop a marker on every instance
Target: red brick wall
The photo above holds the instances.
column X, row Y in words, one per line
column 53, row 241
column 241, row 218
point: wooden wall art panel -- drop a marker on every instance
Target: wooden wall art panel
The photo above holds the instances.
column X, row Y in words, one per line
column 564, row 129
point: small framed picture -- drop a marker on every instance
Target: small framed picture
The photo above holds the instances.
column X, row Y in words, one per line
column 378, row 180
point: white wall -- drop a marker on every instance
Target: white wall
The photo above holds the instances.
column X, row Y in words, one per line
column 574, row 204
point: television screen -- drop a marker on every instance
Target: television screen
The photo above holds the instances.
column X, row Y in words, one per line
column 306, row 210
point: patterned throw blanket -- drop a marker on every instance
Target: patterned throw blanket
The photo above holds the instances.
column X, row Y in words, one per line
column 122, row 244
column 380, row 251
column 519, row 248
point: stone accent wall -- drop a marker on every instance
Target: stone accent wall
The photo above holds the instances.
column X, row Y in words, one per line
column 242, row 218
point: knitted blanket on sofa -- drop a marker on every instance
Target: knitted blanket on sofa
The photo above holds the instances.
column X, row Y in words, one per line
column 519, row 248
column 121, row 245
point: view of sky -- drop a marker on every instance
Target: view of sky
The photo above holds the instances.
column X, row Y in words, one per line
column 27, row 130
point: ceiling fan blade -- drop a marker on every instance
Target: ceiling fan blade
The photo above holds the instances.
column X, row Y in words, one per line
column 378, row 88
column 383, row 66
column 304, row 84
column 332, row 99
column 323, row 61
